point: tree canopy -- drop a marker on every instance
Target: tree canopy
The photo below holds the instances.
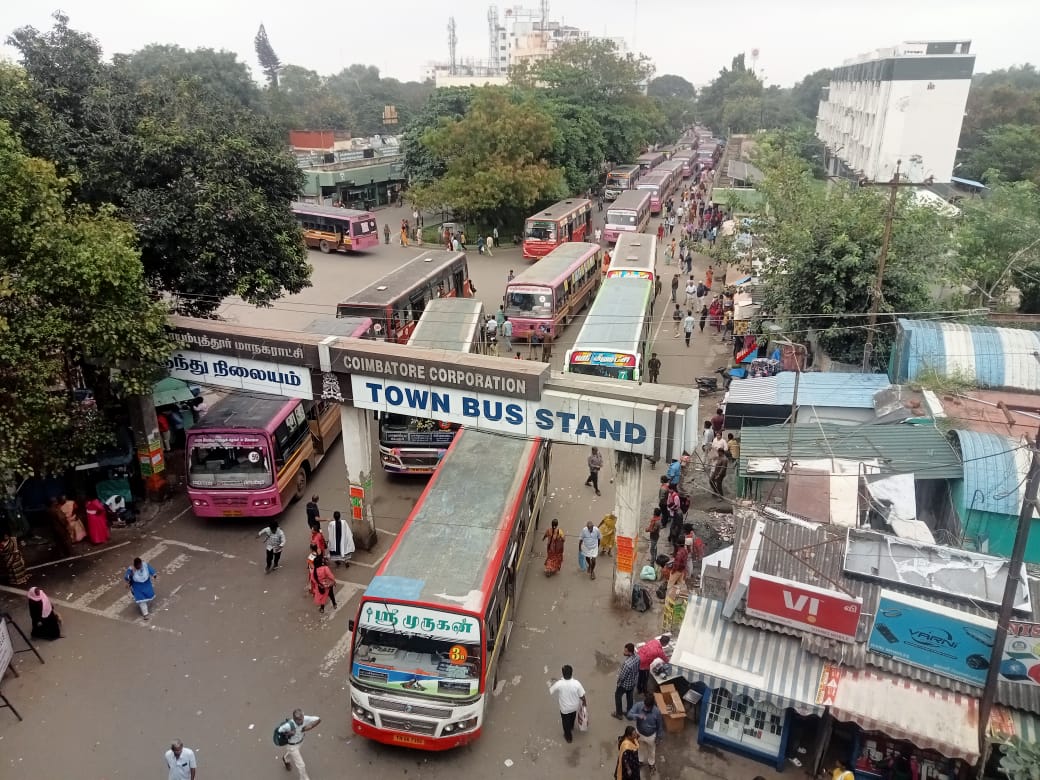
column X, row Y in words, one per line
column 173, row 141
column 1001, row 127
column 73, row 304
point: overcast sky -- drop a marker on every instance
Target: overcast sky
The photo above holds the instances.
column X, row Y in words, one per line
column 690, row 38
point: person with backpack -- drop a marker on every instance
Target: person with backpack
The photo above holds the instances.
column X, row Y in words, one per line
column 653, row 530
column 289, row 734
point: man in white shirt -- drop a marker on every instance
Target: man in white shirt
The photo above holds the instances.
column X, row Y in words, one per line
column 180, row 761
column 570, row 696
column 294, row 729
column 506, row 332
column 590, row 538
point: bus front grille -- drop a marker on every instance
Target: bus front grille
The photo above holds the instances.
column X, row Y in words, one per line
column 411, row 709
column 409, row 726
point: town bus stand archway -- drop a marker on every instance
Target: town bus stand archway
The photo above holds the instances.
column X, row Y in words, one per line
column 500, row 395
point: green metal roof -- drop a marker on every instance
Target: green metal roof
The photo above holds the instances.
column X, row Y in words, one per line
column 902, row 449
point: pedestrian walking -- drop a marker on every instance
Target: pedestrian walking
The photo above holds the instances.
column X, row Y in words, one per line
column 547, row 340
column 677, row 320
column 662, row 499
column 510, row 277
column 293, row 731
column 274, row 543
column 318, row 540
column 313, row 513
column 323, row 584
column 718, row 420
column 597, row 234
column 386, row 233
column 488, row 243
column 554, row 543
column 653, row 367
column 704, row 317
column 674, row 473
column 628, row 755
column 534, row 344
column 494, row 236
column 341, row 540
column 491, row 330
column 595, row 461
column 675, row 288
column 12, row 564
column 180, row 761
column 628, row 674
column 650, row 726
column 404, row 232
column 689, row 323
column 718, row 473
column 505, row 331
column 690, row 292
column 660, row 232
column 480, row 245
column 139, row 578
column 570, row 697
column 653, row 531
column 589, row 541
column 709, row 276
column 608, row 533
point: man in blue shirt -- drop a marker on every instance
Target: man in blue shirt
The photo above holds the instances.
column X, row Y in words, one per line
column 674, row 472
column 650, row 726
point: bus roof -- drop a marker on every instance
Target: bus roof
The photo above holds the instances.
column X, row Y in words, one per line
column 333, row 212
column 671, row 166
column 562, row 209
column 649, row 156
column 684, row 154
column 624, row 169
column 244, row 409
column 444, row 555
column 394, row 285
column 356, row 327
column 634, row 250
column 615, row 321
column 631, row 200
column 556, row 265
column 653, row 179
column 449, row 323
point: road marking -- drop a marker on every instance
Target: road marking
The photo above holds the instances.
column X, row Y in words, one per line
column 341, row 649
column 378, row 561
column 77, row 557
column 194, row 547
column 95, row 593
column 95, row 612
column 176, row 563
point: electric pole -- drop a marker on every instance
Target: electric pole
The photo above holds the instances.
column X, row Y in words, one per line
column 1007, row 604
column 875, row 294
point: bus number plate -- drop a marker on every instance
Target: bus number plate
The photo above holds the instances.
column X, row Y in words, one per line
column 402, row 739
column 232, row 513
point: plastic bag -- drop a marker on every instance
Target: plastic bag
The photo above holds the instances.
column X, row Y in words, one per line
column 648, row 573
column 583, row 718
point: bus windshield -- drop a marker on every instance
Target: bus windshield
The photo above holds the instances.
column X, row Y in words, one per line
column 239, row 461
column 617, row 181
column 529, row 301
column 541, row 231
column 615, row 217
column 417, row 664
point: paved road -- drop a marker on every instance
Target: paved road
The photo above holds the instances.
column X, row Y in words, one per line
column 229, row 650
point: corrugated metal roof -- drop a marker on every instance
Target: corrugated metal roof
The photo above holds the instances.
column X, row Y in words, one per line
column 814, row 554
column 849, row 391
column 745, row 661
column 990, row 357
column 995, row 470
column 756, row 390
column 901, row 449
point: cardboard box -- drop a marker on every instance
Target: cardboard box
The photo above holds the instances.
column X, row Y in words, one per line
column 670, row 703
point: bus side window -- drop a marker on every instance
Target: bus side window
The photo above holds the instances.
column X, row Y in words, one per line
column 493, row 619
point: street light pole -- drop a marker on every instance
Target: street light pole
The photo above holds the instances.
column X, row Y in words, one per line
column 788, row 462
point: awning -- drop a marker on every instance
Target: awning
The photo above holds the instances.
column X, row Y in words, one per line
column 930, row 718
column 766, row 666
column 1007, row 722
column 170, row 391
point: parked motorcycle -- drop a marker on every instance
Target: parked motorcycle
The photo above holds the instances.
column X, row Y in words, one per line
column 710, row 384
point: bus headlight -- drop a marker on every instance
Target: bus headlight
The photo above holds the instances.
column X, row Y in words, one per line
column 361, row 713
column 462, row 725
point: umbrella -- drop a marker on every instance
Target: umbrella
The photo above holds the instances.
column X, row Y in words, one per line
column 170, row 391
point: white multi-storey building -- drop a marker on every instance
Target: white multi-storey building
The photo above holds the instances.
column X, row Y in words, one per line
column 902, row 103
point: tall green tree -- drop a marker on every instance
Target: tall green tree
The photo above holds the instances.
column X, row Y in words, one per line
column 421, row 164
column 1013, row 151
column 73, row 302
column 265, row 53
column 671, row 87
column 805, row 96
column 495, row 166
column 820, row 248
column 203, row 177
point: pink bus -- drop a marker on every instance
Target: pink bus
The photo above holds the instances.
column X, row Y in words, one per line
column 630, row 213
column 659, row 184
column 332, row 229
column 687, row 157
column 552, row 291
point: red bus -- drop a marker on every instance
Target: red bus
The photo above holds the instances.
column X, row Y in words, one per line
column 434, row 621
column 568, row 220
column 660, row 185
column 334, row 230
column 650, row 160
column 396, row 302
column 687, row 157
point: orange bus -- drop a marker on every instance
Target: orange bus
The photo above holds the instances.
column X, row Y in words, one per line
column 568, row 220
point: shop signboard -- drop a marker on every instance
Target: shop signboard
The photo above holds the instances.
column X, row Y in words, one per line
column 805, row 607
column 1021, row 661
column 6, row 648
column 625, row 554
column 930, row 636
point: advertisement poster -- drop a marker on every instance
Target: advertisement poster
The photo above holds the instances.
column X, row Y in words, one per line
column 806, row 607
column 1021, row 662
column 939, row 639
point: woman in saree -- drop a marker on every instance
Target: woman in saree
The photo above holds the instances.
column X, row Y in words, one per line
column 608, row 533
column 553, row 549
column 628, row 756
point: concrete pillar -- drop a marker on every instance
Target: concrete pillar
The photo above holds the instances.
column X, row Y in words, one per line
column 148, row 444
column 628, row 510
column 357, row 454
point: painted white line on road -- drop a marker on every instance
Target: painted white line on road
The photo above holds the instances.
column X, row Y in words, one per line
column 194, row 547
column 95, row 612
column 77, row 557
column 176, row 563
column 341, row 649
column 95, row 593
column 378, row 561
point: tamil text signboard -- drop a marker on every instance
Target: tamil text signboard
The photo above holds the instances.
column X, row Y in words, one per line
column 241, row 374
column 930, row 636
column 816, row 610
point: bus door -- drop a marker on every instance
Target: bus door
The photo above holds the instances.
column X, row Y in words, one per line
column 458, row 284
